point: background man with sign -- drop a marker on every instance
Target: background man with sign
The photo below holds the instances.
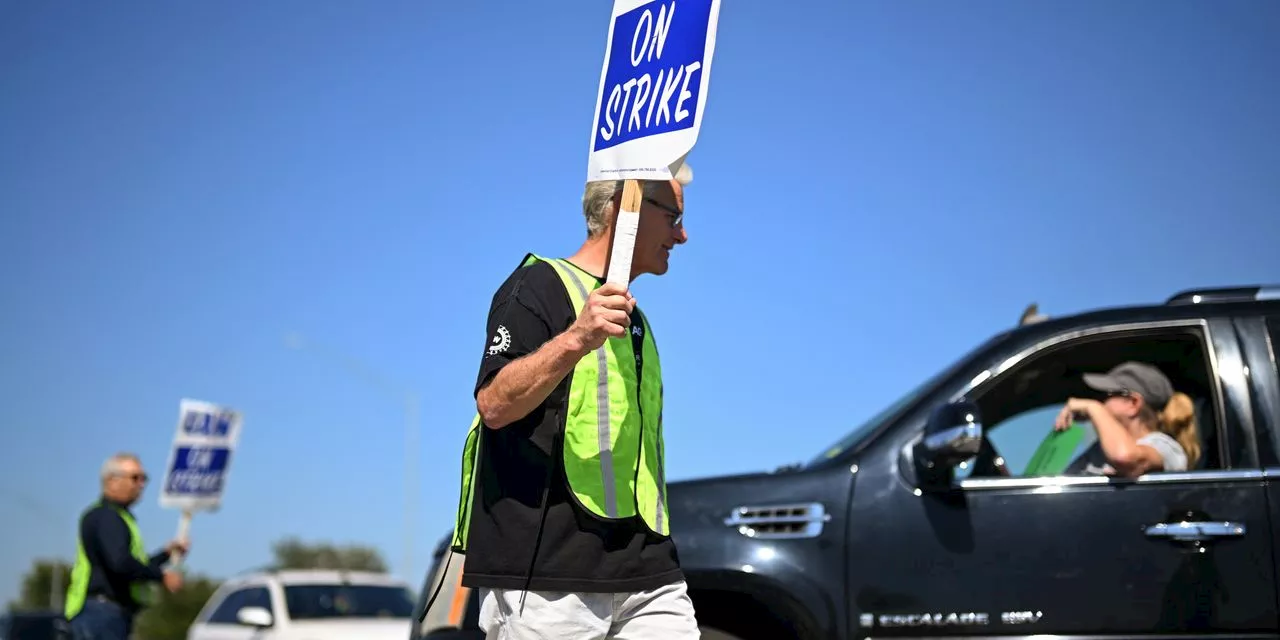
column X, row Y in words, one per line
column 564, row 518
column 113, row 577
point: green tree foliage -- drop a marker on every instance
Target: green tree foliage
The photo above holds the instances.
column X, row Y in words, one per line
column 38, row 588
column 292, row 553
column 173, row 613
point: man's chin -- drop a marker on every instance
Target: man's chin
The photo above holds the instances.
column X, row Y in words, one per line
column 657, row 266
column 660, row 266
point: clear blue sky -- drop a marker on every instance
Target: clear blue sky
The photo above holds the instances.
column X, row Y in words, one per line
column 879, row 185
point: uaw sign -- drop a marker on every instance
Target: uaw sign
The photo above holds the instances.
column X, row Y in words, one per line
column 200, row 458
column 653, row 88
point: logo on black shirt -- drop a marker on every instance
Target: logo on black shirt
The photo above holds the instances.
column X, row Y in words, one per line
column 501, row 341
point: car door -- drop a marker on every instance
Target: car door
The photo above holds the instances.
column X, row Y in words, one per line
column 1185, row 553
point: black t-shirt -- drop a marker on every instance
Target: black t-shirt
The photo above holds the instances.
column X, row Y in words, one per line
column 576, row 551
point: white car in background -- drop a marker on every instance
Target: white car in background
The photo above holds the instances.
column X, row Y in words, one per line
column 307, row 605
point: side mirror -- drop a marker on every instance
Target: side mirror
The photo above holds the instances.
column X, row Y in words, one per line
column 952, row 435
column 254, row 617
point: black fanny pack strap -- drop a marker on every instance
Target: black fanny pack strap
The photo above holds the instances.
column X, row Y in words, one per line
column 463, row 512
column 443, row 574
column 553, row 467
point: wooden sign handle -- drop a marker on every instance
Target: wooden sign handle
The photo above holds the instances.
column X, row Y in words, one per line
column 618, row 269
column 184, row 529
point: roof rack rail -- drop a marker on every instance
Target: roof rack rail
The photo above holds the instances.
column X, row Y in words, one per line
column 1226, row 294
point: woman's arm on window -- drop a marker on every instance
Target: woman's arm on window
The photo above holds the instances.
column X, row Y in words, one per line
column 1129, row 458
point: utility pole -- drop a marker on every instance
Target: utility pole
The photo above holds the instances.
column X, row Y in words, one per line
column 410, row 479
column 55, row 587
column 411, row 406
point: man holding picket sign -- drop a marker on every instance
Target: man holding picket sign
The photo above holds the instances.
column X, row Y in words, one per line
column 114, row 577
column 563, row 517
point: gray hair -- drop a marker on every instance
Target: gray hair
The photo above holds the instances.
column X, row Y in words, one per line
column 113, row 464
column 597, row 198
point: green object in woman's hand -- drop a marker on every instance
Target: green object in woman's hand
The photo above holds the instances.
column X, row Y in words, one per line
column 1055, row 452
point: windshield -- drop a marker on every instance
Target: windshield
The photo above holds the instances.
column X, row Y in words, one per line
column 325, row 601
column 853, row 437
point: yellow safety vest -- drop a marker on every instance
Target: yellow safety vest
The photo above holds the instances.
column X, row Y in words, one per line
column 612, row 439
column 78, row 590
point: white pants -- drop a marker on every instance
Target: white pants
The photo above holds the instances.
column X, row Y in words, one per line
column 665, row 613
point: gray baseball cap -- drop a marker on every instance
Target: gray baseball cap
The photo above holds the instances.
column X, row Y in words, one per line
column 1138, row 377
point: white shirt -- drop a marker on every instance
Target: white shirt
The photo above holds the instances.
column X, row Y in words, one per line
column 1171, row 453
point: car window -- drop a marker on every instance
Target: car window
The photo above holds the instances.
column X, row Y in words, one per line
column 1019, row 407
column 323, row 601
column 257, row 597
column 226, row 611
column 237, row 600
column 1017, row 443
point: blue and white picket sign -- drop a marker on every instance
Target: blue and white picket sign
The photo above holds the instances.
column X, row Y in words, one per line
column 196, row 473
column 653, row 88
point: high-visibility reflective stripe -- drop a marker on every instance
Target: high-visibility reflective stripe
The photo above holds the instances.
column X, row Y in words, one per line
column 603, row 435
column 659, row 480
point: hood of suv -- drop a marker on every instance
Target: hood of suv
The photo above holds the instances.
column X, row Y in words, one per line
column 347, row 628
column 701, row 506
column 718, row 521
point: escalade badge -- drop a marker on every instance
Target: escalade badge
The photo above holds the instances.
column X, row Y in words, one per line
column 931, row 619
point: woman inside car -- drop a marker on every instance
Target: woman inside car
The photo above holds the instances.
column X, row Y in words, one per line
column 1143, row 425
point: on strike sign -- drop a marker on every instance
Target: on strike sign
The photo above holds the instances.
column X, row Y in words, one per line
column 196, row 473
column 653, row 88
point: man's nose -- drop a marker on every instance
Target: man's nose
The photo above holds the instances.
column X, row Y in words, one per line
column 681, row 236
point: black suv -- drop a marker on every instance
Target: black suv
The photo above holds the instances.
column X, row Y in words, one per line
column 922, row 522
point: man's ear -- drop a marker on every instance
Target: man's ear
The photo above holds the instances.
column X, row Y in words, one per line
column 616, row 200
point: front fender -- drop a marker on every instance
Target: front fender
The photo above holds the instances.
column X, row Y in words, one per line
column 791, row 597
column 778, row 539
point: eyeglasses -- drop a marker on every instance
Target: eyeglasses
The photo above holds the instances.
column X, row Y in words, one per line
column 679, row 215
column 136, row 477
column 1123, row 393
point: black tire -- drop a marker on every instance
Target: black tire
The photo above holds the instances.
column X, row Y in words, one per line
column 710, row 633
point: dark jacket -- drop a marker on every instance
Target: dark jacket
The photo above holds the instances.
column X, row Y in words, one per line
column 106, row 541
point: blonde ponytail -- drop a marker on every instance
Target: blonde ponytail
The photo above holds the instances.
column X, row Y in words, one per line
column 1179, row 420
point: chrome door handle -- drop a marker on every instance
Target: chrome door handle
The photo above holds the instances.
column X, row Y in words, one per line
column 1195, row 531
